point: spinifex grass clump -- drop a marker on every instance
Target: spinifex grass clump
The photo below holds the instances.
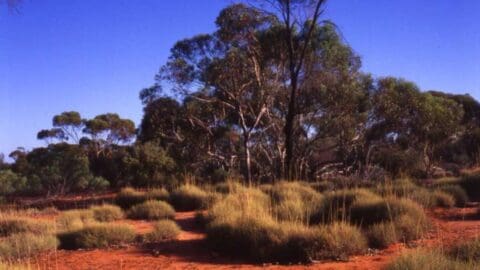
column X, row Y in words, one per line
column 428, row 260
column 458, row 193
column 243, row 224
column 107, row 213
column 12, row 225
column 23, row 245
column 97, row 236
column 151, row 210
column 129, row 197
column 336, row 205
column 74, row 219
column 470, row 184
column 189, row 198
column 293, row 201
column 163, row 230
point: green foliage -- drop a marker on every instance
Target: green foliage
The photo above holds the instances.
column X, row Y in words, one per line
column 129, row 197
column 151, row 210
column 23, row 245
column 107, row 213
column 11, row 183
column 97, row 236
column 163, row 230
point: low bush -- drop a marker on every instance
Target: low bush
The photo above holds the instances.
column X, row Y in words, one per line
column 409, row 227
column 381, row 235
column 14, row 225
column 427, row 260
column 163, row 230
column 323, row 186
column 23, row 245
column 107, row 213
column 189, row 198
column 458, row 193
column 74, row 219
column 151, row 210
column 129, row 197
column 97, row 236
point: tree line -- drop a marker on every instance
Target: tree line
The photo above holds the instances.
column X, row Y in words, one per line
column 273, row 93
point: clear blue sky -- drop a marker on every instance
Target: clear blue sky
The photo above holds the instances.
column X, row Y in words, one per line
column 94, row 56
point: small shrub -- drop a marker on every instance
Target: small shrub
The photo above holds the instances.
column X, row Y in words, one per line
column 409, row 228
column 74, row 219
column 98, row 236
column 426, row 260
column 461, row 197
column 189, row 198
column 129, row 197
column 323, row 186
column 227, row 187
column 381, row 235
column 163, row 230
column 470, row 184
column 25, row 245
column 442, row 199
column 14, row 225
column 107, row 213
column 151, row 210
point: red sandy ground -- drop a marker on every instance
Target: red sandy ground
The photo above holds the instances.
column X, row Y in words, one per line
column 189, row 251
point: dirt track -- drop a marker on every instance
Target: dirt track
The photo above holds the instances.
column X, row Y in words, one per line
column 189, row 251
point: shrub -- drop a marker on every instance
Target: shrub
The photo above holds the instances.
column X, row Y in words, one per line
column 323, row 186
column 426, row 260
column 25, row 245
column 129, row 197
column 14, row 225
column 381, row 235
column 461, row 197
column 442, row 199
column 97, row 236
column 74, row 219
column 227, row 187
column 410, row 228
column 107, row 213
column 189, row 198
column 151, row 210
column 163, row 230
column 468, row 251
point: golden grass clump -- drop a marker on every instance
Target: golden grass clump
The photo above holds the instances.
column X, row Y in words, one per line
column 75, row 219
column 98, row 236
column 163, row 230
column 420, row 259
column 23, row 245
column 151, row 210
column 107, row 213
column 189, row 197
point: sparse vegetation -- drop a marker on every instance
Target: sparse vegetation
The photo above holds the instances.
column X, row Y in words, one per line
column 13, row 225
column 151, row 210
column 428, row 260
column 74, row 219
column 129, row 197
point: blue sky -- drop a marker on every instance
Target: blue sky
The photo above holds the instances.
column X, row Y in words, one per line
column 94, row 56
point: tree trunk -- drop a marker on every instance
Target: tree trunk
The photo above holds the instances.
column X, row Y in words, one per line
column 289, row 128
column 248, row 159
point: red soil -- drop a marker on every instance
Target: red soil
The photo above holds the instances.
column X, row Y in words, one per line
column 190, row 252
